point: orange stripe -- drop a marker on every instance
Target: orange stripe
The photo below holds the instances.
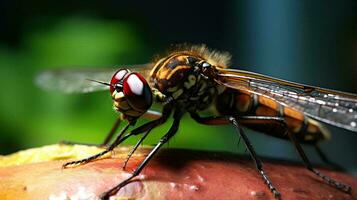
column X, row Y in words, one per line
column 268, row 102
column 293, row 113
column 288, row 111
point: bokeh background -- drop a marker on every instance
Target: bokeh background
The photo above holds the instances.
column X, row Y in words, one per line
column 311, row 42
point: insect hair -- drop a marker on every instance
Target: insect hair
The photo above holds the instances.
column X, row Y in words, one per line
column 213, row 57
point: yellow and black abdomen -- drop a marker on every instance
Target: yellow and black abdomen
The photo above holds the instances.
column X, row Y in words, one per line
column 243, row 103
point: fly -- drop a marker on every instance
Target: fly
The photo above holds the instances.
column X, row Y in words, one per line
column 196, row 80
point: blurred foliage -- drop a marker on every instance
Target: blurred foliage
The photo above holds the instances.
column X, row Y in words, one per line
column 35, row 117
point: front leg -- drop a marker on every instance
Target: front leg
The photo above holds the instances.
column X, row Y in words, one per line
column 136, row 147
column 173, row 129
column 120, row 138
column 117, row 141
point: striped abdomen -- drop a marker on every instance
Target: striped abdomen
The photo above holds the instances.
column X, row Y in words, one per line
column 244, row 103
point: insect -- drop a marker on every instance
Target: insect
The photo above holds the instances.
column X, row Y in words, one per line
column 196, row 80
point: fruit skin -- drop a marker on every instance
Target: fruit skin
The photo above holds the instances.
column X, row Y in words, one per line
column 174, row 174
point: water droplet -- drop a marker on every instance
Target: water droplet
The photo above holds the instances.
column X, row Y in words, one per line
column 193, row 188
column 334, row 110
column 353, row 124
column 350, row 110
column 336, row 104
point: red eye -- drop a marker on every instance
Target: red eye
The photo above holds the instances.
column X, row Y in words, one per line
column 137, row 91
column 118, row 78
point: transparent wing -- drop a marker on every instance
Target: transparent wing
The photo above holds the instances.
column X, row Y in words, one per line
column 329, row 106
column 78, row 80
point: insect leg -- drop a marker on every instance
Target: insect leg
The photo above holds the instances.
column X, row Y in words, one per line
column 223, row 120
column 209, row 120
column 330, row 181
column 346, row 188
column 117, row 141
column 150, row 114
column 135, row 147
column 256, row 159
column 148, row 126
column 173, row 129
column 303, row 129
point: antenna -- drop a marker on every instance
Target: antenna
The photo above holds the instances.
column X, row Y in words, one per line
column 100, row 82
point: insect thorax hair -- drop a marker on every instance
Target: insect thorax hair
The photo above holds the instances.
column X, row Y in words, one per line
column 216, row 58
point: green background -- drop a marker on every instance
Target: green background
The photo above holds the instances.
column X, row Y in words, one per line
column 308, row 42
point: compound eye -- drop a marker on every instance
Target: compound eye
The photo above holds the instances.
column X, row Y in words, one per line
column 134, row 86
column 117, row 80
column 137, row 91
